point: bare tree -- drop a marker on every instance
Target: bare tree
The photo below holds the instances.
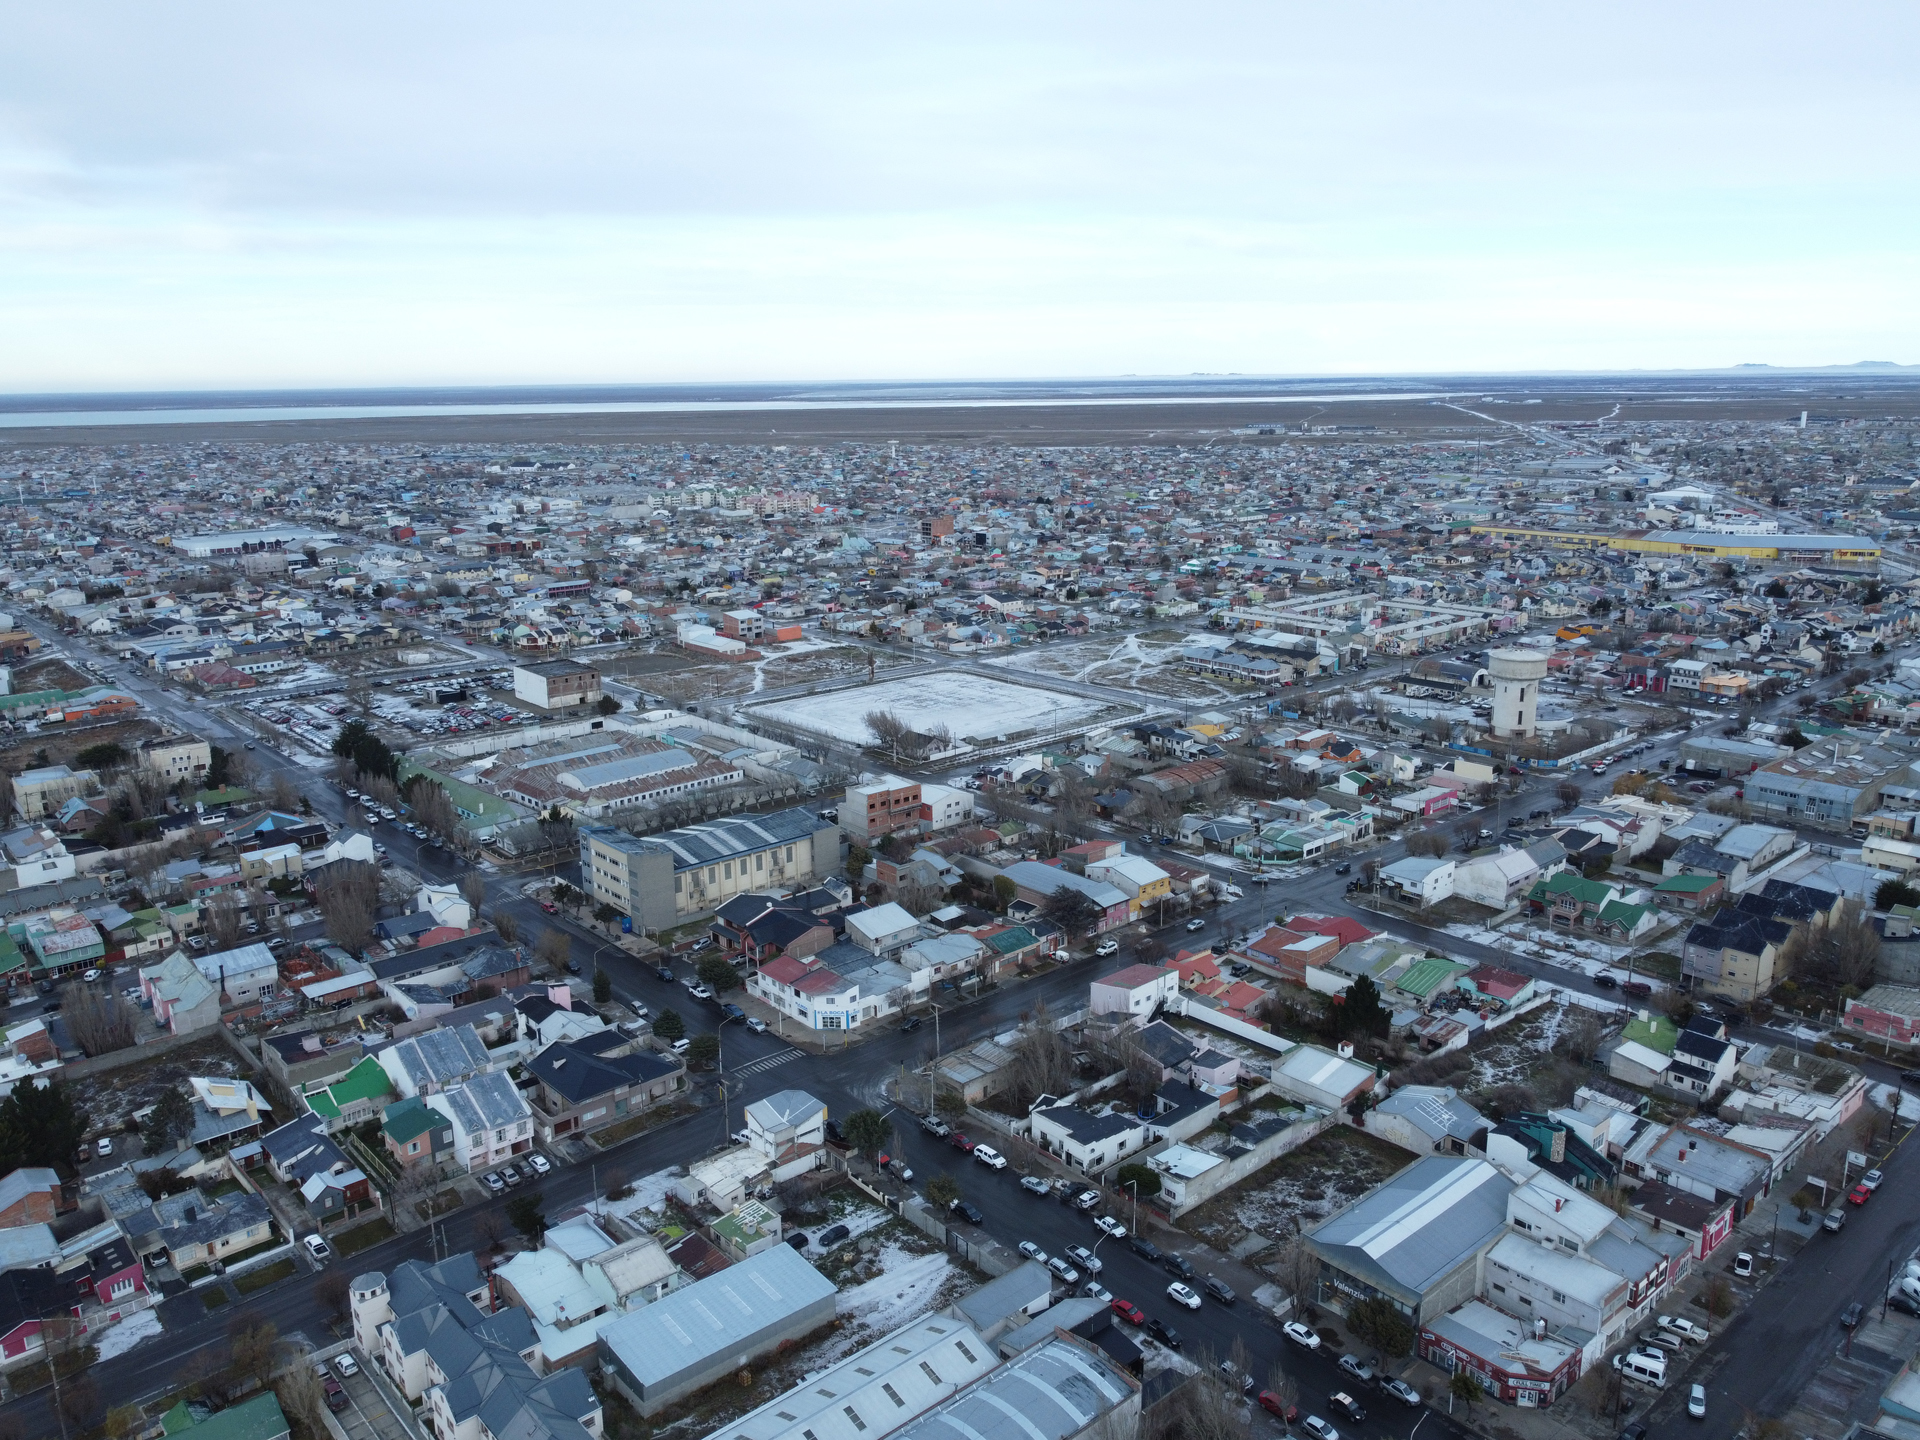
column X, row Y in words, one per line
column 553, row 949
column 889, row 730
column 285, row 796
column 99, row 1020
column 433, row 809
column 473, row 889
column 1042, row 1060
column 349, row 899
column 506, row 927
column 221, row 920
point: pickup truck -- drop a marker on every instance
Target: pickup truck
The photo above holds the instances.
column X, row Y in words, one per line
column 934, row 1125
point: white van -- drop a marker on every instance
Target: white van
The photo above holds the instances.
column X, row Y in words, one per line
column 1647, row 1369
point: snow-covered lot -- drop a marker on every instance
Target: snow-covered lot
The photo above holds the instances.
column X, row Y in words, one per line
column 975, row 711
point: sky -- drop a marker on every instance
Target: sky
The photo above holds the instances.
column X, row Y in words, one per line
column 271, row 196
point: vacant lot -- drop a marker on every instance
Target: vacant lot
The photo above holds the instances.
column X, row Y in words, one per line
column 1301, row 1188
column 54, row 745
column 111, row 1097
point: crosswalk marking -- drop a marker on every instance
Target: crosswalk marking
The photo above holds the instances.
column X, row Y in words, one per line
column 766, row 1063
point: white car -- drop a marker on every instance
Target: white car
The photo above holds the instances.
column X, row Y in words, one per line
column 90, row 974
column 316, row 1247
column 541, row 1165
column 1301, row 1335
column 1184, row 1295
column 757, row 1025
column 1110, row 1227
column 1697, row 1402
column 701, row 992
column 494, row 1183
column 989, row 1157
column 1872, row 1179
column 1066, row 1272
column 1084, row 1258
column 1106, row 948
column 103, row 1146
column 1196, row 924
column 346, row 1364
column 1319, row 1428
column 1033, row 1251
column 1094, row 1290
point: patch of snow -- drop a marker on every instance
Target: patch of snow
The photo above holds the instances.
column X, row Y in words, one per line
column 903, row 1290
column 858, row 1216
column 649, row 1193
column 119, row 1339
column 1884, row 1097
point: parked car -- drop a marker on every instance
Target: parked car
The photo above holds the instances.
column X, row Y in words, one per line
column 1661, row 1339
column 1087, row 1200
column 701, row 992
column 1605, row 981
column 958, row 1139
column 1347, row 1406
column 1859, row 1195
column 1196, row 924
column 832, row 1236
column 509, row 1174
column 1850, row 1317
column 494, row 1183
column 1033, row 1185
column 1127, row 1311
column 1696, row 1402
column 1033, row 1251
column 1176, row 1266
column 103, row 1146
column 1836, row 1220
column 664, row 972
column 1401, row 1391
column 757, row 1025
column 1094, row 1290
column 541, row 1165
column 335, row 1392
column 990, row 1157
column 935, row 1126
column 1278, row 1408
column 1743, row 1264
column 1145, row 1249
column 1683, row 1327
column 1871, row 1180
column 1110, row 1227
column 1319, row 1429
column 913, row 1024
column 1638, row 989
column 968, row 1211
column 1084, row 1258
column 1183, row 1295
column 1302, row 1335
column 1219, row 1289
column 1059, row 1266
column 317, row 1248
column 1164, row 1333
column 1345, row 868
column 1106, row 948
column 1357, row 1368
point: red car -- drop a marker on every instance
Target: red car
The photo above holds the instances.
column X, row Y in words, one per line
column 1858, row 1195
column 960, row 1142
column 549, row 907
column 1127, row 1311
column 1274, row 1405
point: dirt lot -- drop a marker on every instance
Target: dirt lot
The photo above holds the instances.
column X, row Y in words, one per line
column 109, row 1098
column 1325, row 1175
column 22, row 751
column 49, row 675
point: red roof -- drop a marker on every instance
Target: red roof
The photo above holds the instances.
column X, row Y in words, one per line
column 1343, row 928
column 1500, row 984
column 1134, row 977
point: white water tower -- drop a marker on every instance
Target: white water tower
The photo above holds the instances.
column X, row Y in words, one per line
column 1516, row 677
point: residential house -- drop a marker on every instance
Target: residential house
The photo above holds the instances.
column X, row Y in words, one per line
column 788, row 1129
column 491, row 1120
column 428, row 1063
column 416, row 1135
column 1495, row 878
column 583, row 1086
column 1733, row 954
column 195, row 1228
column 1136, row 991
column 1419, row 880
column 1085, row 1141
column 29, row 1196
column 182, row 999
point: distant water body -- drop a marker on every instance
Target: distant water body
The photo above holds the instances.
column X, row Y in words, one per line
column 163, row 414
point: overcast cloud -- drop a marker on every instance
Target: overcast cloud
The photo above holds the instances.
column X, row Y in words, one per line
column 239, row 195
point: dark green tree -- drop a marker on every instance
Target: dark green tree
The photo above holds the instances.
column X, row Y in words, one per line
column 103, row 756
column 169, row 1122
column 524, row 1213
column 1360, row 1013
column 718, row 974
column 40, row 1126
column 1381, row 1325
column 867, row 1131
column 668, row 1025
column 1072, row 911
column 704, row 1048
column 608, row 705
column 1138, row 1180
column 602, row 987
column 1895, row 892
column 942, row 1190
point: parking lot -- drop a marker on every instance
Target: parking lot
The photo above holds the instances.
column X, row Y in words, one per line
column 368, row 1416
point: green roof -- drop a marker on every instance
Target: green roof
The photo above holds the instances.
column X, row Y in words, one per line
column 1656, row 1032
column 366, row 1081
column 225, row 795
column 1687, row 884
column 1587, row 892
column 1619, row 912
column 1423, row 977
column 406, row 1119
column 321, row 1103
column 257, row 1419
column 1007, row 941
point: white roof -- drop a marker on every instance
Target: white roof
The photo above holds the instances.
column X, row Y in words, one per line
column 1644, row 1056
